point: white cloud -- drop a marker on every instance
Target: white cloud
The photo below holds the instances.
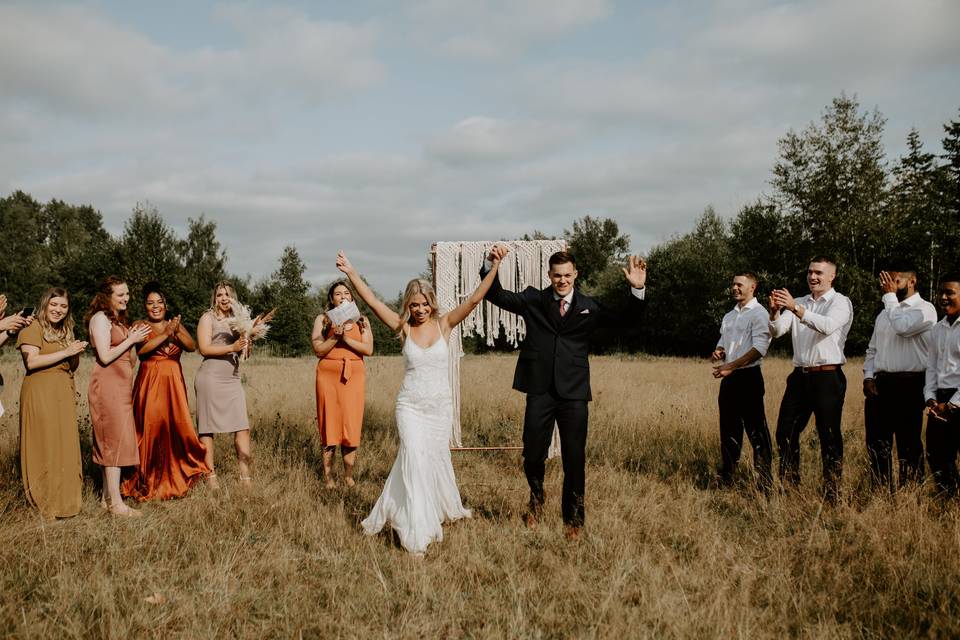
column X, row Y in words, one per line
column 486, row 139
column 499, row 29
column 77, row 61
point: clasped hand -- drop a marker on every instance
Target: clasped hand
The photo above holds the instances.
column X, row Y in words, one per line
column 781, row 299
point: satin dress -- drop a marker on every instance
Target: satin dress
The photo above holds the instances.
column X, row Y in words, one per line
column 171, row 454
column 340, row 386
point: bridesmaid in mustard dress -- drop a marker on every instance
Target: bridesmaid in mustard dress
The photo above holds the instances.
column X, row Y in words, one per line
column 109, row 392
column 171, row 455
column 49, row 438
column 340, row 383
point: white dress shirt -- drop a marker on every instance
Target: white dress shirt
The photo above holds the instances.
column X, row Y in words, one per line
column 901, row 335
column 744, row 328
column 819, row 337
column 943, row 361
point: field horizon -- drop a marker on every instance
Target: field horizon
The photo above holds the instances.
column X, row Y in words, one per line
column 665, row 553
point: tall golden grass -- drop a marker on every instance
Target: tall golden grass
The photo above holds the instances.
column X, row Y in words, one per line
column 665, row 554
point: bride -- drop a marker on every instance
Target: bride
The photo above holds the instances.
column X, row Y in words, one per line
column 421, row 491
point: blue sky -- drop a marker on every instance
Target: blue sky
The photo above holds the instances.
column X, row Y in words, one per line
column 380, row 127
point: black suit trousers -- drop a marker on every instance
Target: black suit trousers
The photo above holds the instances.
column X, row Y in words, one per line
column 821, row 394
column 943, row 445
column 895, row 414
column 741, row 410
column 543, row 409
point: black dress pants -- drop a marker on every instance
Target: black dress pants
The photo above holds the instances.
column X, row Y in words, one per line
column 895, row 415
column 741, row 409
column 571, row 418
column 943, row 444
column 821, row 394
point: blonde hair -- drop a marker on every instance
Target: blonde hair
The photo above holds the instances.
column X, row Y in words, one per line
column 62, row 334
column 223, row 284
column 414, row 287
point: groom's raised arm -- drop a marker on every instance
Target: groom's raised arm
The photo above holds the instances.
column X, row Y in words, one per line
column 626, row 314
column 506, row 300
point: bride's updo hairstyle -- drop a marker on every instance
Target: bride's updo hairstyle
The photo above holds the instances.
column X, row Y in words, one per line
column 414, row 287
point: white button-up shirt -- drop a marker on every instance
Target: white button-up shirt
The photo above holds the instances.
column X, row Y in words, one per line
column 943, row 361
column 901, row 335
column 819, row 337
column 744, row 328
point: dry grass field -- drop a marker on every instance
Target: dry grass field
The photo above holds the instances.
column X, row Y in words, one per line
column 664, row 555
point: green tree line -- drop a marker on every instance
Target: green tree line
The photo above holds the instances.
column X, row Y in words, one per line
column 58, row 244
column 832, row 191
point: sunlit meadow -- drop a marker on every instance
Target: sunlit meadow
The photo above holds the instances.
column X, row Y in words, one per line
column 665, row 553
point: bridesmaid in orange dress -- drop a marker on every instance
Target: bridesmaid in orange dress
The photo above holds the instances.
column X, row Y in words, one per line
column 171, row 455
column 109, row 392
column 340, row 383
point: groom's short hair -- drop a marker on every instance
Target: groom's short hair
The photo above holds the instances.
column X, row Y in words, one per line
column 562, row 257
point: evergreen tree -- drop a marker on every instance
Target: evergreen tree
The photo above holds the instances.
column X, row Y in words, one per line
column 288, row 291
column 596, row 244
column 203, row 265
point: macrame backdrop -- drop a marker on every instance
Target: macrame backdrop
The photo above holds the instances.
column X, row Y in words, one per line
column 456, row 273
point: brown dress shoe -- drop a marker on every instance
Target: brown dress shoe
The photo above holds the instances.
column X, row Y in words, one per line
column 572, row 533
column 531, row 519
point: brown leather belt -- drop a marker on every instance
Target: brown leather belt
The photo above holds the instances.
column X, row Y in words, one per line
column 821, row 367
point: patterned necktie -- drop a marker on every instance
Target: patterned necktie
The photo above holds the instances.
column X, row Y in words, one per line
column 563, row 307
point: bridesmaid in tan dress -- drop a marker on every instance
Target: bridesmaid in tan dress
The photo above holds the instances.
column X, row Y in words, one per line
column 221, row 402
column 111, row 386
column 340, row 382
column 49, row 439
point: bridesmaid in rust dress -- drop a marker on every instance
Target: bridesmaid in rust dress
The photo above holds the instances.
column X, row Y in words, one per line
column 111, row 405
column 340, row 383
column 171, row 455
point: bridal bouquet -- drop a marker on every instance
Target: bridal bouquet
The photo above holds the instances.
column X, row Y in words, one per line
column 247, row 327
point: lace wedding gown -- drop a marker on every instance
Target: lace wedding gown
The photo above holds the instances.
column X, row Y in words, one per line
column 421, row 492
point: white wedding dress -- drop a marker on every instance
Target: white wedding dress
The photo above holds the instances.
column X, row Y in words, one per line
column 421, row 491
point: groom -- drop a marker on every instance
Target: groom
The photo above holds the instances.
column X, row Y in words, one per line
column 554, row 372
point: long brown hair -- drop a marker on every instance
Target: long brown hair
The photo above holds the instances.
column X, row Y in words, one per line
column 101, row 302
column 415, row 286
column 61, row 333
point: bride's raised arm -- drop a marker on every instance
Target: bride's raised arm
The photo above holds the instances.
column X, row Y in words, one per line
column 455, row 316
column 385, row 313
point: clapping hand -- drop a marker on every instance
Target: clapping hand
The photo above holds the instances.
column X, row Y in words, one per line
column 718, row 354
column 636, row 272
column 75, row 347
column 3, row 304
column 783, row 300
column 173, row 326
column 139, row 333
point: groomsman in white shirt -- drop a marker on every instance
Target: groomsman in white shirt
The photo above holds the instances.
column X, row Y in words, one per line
column 894, row 372
column 942, row 389
column 819, row 324
column 744, row 340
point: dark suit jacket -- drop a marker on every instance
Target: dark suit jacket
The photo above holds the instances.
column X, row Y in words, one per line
column 553, row 355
